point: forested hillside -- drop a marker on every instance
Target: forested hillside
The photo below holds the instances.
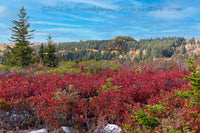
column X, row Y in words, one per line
column 159, row 47
column 143, row 49
column 83, row 50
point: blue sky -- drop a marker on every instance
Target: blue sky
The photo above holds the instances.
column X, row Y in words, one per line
column 75, row 20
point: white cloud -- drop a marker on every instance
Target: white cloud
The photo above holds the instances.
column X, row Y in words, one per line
column 136, row 3
column 67, row 29
column 87, row 19
column 2, row 25
column 112, row 16
column 103, row 4
column 194, row 26
column 51, row 23
column 48, row 2
column 171, row 30
column 3, row 9
column 4, row 12
column 41, row 33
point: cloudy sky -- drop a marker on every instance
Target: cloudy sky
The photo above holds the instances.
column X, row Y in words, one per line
column 75, row 20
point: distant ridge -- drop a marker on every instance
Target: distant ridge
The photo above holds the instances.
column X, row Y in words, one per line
column 45, row 43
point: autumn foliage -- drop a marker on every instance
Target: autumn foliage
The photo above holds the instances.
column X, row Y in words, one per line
column 128, row 98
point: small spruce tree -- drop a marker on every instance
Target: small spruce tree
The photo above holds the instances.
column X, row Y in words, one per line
column 50, row 58
column 41, row 51
column 21, row 54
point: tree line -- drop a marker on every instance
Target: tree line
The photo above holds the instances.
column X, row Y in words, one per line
column 158, row 47
column 22, row 54
column 84, row 50
column 98, row 49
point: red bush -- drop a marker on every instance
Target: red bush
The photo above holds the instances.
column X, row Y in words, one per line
column 74, row 100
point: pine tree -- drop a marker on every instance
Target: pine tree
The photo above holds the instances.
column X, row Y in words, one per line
column 21, row 54
column 41, row 51
column 198, row 42
column 120, row 44
column 50, row 58
column 192, row 41
column 140, row 55
column 194, row 78
column 183, row 50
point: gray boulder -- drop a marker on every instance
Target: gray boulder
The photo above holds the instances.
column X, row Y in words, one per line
column 110, row 128
column 66, row 129
column 39, row 131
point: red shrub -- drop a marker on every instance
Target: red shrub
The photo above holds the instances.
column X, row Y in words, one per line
column 73, row 100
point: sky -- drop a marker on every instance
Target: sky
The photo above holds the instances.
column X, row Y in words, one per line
column 75, row 20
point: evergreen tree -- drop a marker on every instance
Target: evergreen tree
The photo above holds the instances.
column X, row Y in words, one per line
column 41, row 51
column 198, row 42
column 183, row 50
column 140, row 55
column 120, row 44
column 192, row 41
column 21, row 54
column 50, row 58
column 148, row 53
column 98, row 56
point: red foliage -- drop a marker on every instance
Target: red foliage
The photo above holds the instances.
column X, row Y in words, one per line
column 72, row 99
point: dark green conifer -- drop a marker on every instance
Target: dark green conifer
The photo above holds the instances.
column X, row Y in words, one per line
column 183, row 50
column 21, row 54
column 41, row 51
column 50, row 58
